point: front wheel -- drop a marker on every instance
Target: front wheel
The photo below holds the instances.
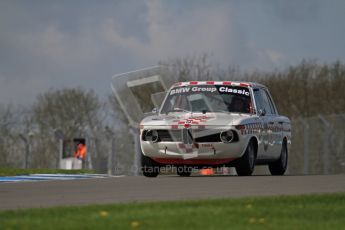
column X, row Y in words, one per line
column 279, row 166
column 149, row 167
column 245, row 165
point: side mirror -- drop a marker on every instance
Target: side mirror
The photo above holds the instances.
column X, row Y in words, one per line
column 154, row 110
column 262, row 112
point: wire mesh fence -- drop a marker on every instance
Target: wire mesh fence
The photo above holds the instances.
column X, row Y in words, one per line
column 318, row 147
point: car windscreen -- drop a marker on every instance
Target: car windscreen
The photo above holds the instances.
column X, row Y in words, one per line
column 208, row 98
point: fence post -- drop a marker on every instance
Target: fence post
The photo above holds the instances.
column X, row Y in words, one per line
column 113, row 156
column 110, row 158
column 90, row 146
column 60, row 136
column 326, row 144
column 109, row 137
column 137, row 150
column 343, row 116
column 90, row 149
column 27, row 150
column 306, row 158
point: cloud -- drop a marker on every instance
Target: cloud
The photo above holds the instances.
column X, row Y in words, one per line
column 210, row 29
column 293, row 11
column 16, row 90
column 46, row 44
column 73, row 48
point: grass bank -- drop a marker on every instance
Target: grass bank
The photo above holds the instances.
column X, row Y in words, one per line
column 285, row 212
column 17, row 172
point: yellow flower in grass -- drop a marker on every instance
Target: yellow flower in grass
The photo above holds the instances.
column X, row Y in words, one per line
column 135, row 224
column 262, row 220
column 248, row 206
column 103, row 213
column 252, row 220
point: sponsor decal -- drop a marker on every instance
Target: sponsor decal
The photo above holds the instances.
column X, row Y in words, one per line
column 245, row 84
column 203, row 89
column 218, row 89
column 263, row 129
column 198, row 120
column 224, row 89
column 251, row 128
column 187, row 148
column 179, row 90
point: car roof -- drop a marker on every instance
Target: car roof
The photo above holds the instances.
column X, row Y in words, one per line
column 231, row 83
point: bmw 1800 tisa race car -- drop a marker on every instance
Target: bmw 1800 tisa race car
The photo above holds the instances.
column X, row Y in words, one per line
column 215, row 124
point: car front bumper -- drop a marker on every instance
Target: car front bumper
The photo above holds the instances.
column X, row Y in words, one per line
column 197, row 153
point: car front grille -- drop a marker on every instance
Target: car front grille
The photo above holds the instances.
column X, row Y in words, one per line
column 209, row 138
column 184, row 135
column 170, row 135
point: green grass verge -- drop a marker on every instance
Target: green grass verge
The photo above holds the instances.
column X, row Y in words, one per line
column 284, row 212
column 16, row 171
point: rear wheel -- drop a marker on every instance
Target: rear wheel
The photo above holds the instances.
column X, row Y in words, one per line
column 149, row 167
column 279, row 166
column 184, row 171
column 245, row 165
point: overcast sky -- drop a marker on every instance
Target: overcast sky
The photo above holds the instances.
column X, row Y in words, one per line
column 54, row 44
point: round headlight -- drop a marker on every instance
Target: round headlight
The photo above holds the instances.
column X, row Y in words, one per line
column 152, row 135
column 227, row 136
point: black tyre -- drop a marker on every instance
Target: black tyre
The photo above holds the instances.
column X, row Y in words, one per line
column 279, row 166
column 245, row 165
column 149, row 167
column 184, row 171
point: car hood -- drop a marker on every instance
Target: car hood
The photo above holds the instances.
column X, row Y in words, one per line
column 197, row 119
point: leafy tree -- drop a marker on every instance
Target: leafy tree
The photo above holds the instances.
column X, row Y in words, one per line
column 75, row 112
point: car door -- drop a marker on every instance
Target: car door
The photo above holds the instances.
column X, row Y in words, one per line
column 265, row 150
column 274, row 124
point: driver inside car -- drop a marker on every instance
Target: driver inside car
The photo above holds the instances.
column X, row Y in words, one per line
column 237, row 105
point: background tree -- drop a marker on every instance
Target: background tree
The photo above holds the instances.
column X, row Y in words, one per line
column 75, row 112
column 307, row 89
column 300, row 91
column 6, row 134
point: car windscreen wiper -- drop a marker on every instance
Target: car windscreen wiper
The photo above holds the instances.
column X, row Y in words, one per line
column 177, row 110
column 221, row 111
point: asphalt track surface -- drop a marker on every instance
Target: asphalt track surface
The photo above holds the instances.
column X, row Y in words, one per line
column 137, row 189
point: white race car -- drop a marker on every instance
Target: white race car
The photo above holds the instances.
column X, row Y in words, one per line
column 215, row 124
